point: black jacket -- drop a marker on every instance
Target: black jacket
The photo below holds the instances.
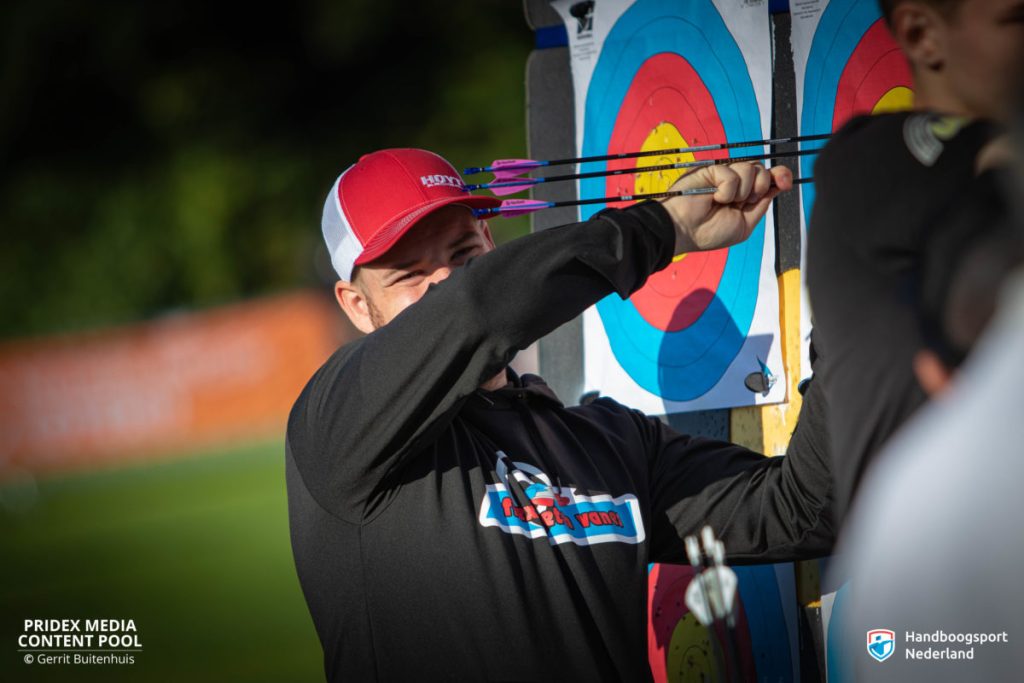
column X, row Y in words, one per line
column 443, row 532
column 885, row 185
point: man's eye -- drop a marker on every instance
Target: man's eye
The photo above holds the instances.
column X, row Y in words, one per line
column 462, row 254
column 407, row 276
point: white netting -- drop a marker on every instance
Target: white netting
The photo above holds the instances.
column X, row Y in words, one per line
column 342, row 244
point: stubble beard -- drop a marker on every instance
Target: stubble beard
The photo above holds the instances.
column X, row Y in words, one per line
column 376, row 319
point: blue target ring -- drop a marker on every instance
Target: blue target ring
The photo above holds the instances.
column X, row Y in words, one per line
column 840, row 29
column 685, row 364
column 769, row 635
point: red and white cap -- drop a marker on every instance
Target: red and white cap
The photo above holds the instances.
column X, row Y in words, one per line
column 377, row 199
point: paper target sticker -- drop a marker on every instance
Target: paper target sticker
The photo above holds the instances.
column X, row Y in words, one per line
column 669, row 77
column 854, row 67
column 680, row 649
column 846, row 63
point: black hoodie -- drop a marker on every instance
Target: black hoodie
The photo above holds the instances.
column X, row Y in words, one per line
column 442, row 532
column 886, row 186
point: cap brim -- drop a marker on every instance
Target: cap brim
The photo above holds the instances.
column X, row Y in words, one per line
column 389, row 235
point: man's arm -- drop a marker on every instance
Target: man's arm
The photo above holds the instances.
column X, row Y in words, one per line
column 378, row 400
column 763, row 509
column 374, row 401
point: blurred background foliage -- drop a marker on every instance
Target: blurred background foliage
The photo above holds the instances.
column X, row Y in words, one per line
column 161, row 156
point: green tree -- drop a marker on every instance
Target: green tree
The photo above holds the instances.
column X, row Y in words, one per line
column 159, row 156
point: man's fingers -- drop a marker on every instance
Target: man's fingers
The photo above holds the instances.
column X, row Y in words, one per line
column 727, row 180
column 783, row 178
column 739, row 183
column 743, row 192
column 752, row 213
column 762, row 184
column 770, row 183
column 748, row 174
column 779, row 179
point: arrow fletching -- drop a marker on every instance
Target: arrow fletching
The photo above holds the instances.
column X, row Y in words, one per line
column 513, row 164
column 503, row 189
column 510, row 208
column 507, row 165
column 525, row 164
column 509, row 174
column 697, row 599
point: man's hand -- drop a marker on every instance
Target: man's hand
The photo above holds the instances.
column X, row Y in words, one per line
column 713, row 221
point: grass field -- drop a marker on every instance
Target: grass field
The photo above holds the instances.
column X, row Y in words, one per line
column 194, row 549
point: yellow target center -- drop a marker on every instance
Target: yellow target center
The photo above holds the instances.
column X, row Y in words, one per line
column 664, row 136
column 899, row 98
column 690, row 657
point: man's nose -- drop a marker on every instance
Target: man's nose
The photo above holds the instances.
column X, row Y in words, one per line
column 440, row 273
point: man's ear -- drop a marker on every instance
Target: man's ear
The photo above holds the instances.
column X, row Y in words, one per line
column 352, row 300
column 920, row 31
column 487, row 233
column 932, row 373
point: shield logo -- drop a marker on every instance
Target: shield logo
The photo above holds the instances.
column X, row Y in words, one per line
column 881, row 643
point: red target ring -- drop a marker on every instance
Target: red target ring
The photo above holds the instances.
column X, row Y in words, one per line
column 666, row 89
column 875, row 67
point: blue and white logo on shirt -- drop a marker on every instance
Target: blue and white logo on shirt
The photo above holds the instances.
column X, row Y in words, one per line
column 560, row 514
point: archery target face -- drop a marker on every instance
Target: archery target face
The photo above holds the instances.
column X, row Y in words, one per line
column 854, row 67
column 690, row 654
column 681, row 649
column 676, row 297
column 665, row 82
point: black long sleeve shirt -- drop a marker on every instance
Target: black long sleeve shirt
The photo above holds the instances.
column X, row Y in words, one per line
column 884, row 184
column 442, row 532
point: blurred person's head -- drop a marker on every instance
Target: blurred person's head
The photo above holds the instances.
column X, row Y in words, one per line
column 966, row 55
column 396, row 222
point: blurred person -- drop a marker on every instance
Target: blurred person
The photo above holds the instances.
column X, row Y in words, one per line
column 933, row 546
column 884, row 183
column 452, row 520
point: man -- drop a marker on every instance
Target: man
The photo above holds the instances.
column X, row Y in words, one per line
column 454, row 521
column 870, row 219
column 947, row 556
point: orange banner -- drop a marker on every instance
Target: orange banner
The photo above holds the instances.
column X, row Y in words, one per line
column 176, row 384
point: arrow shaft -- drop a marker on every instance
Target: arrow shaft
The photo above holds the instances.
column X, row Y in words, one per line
column 498, row 210
column 634, row 155
column 644, row 169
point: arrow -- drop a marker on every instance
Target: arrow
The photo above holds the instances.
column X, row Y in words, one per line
column 505, row 166
column 503, row 188
column 511, row 208
column 697, row 597
column 723, row 593
column 711, row 594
